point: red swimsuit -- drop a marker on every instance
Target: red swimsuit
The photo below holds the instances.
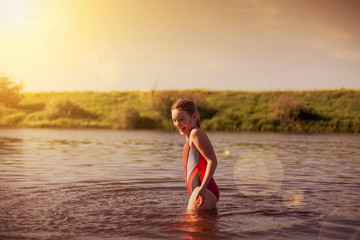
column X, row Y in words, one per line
column 195, row 168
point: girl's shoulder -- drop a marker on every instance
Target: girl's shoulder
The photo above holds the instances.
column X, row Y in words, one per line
column 195, row 132
column 196, row 135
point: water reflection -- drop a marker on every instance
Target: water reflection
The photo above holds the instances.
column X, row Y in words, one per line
column 9, row 145
column 198, row 224
column 293, row 198
column 11, row 167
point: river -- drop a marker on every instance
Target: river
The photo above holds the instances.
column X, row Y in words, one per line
column 103, row 184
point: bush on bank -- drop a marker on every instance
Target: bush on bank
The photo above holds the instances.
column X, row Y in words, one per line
column 10, row 91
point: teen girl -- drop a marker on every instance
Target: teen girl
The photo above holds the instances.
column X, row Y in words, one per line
column 199, row 158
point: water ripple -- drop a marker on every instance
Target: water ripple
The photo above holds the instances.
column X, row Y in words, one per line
column 94, row 184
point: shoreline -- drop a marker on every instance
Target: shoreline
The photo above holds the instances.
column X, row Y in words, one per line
column 308, row 111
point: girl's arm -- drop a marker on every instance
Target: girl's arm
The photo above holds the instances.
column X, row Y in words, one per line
column 202, row 143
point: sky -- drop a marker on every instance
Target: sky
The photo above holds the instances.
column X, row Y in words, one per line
column 73, row 45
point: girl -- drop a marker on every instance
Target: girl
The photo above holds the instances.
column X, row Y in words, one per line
column 199, row 158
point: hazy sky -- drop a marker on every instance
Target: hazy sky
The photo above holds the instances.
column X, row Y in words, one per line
column 180, row 44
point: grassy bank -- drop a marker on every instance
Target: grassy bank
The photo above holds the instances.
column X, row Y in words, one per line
column 282, row 111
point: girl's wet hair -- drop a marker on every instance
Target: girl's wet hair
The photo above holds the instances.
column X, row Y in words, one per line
column 188, row 106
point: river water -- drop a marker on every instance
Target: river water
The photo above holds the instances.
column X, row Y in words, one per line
column 102, row 184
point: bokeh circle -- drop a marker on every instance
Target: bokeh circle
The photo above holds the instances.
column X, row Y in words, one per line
column 258, row 173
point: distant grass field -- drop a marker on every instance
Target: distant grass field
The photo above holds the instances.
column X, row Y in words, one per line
column 279, row 111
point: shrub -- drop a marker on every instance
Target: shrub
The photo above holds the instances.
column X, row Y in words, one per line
column 4, row 111
column 12, row 120
column 220, row 123
column 162, row 101
column 147, row 123
column 10, row 92
column 206, row 111
column 64, row 108
column 130, row 118
column 286, row 108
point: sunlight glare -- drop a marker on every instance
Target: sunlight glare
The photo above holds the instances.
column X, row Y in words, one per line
column 16, row 13
column 293, row 198
column 11, row 9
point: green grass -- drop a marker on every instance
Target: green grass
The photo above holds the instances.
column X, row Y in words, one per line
column 280, row 111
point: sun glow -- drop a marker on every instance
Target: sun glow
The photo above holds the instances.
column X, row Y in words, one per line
column 31, row 37
column 16, row 14
column 11, row 9
column 123, row 45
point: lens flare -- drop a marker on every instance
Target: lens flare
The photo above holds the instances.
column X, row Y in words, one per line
column 293, row 198
column 258, row 173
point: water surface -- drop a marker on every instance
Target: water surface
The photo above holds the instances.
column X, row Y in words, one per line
column 102, row 184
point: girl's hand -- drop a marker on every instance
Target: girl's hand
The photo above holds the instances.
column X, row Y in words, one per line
column 202, row 195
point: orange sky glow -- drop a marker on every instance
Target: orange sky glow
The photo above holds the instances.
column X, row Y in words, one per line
column 108, row 45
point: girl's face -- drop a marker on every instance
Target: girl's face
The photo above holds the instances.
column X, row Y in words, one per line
column 183, row 122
